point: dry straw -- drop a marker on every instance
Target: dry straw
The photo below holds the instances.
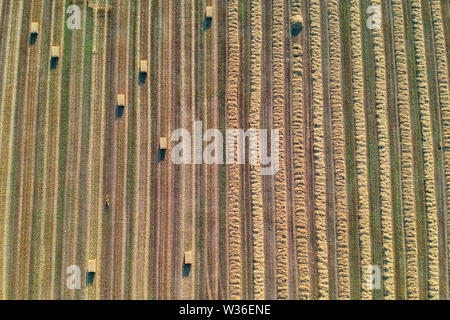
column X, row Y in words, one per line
column 233, row 182
column 298, row 131
column 361, row 148
column 319, row 154
column 337, row 114
column 427, row 142
column 255, row 170
column 404, row 110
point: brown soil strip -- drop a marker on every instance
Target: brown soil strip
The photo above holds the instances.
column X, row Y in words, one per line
column 394, row 133
column 186, row 222
column 5, row 151
column 416, row 137
column 268, row 181
column 289, row 154
column 72, row 213
column 20, row 196
column 244, row 103
column 108, row 232
column 121, row 141
column 142, row 143
column 153, row 240
column 175, row 254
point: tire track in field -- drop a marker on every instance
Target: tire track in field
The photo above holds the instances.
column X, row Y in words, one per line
column 406, row 143
column 268, row 181
column 423, row 87
column 244, row 106
column 6, row 124
column 61, row 139
column 392, row 111
column 39, row 179
column 57, row 120
column 95, row 200
column 292, row 260
column 4, row 197
column 154, row 82
column 174, row 254
column 441, row 20
column 121, row 141
column 26, row 109
column 4, row 28
column 72, row 214
column 108, row 235
column 212, row 186
column 309, row 157
column 141, row 184
column 198, row 115
column 131, row 187
column 187, row 103
column 46, row 230
column 104, row 115
column 83, row 245
column 162, row 211
column 419, row 181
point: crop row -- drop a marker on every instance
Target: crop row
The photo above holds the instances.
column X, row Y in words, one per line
column 234, row 189
column 361, row 149
column 443, row 85
column 298, row 142
column 280, row 177
column 403, row 103
column 319, row 153
column 338, row 151
column 255, row 170
column 427, row 143
column 6, row 125
column 385, row 161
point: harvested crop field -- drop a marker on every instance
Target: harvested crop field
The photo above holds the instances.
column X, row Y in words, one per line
column 354, row 96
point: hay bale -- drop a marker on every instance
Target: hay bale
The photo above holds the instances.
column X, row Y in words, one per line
column 209, row 12
column 55, row 52
column 188, row 257
column 121, row 100
column 163, row 143
column 296, row 24
column 92, row 265
column 143, row 66
column 34, row 28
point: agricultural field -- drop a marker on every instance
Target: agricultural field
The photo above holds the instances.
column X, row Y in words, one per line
column 355, row 98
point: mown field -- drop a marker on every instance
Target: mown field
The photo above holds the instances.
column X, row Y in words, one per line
column 363, row 183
